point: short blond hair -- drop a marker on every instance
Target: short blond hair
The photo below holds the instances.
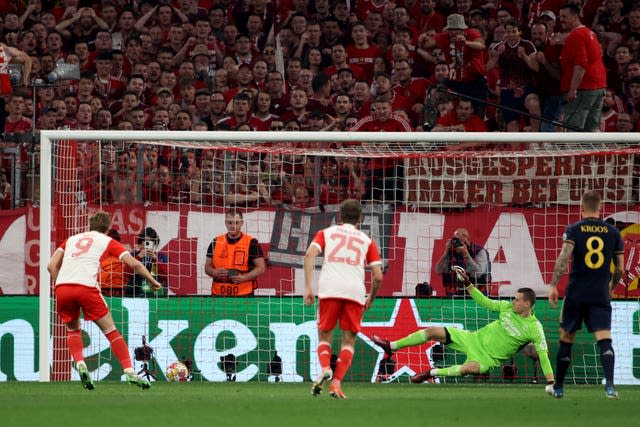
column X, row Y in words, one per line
column 591, row 201
column 100, row 221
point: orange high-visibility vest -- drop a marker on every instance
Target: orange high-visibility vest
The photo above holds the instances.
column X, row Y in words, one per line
column 112, row 276
column 232, row 257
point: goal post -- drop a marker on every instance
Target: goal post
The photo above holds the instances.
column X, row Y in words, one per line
column 416, row 189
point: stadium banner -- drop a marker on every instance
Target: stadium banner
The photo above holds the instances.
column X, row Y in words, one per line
column 506, row 180
column 522, row 243
column 207, row 331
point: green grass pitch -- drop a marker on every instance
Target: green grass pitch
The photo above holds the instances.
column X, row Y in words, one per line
column 259, row 404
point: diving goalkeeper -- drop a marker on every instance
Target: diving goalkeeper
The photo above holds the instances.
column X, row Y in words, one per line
column 489, row 346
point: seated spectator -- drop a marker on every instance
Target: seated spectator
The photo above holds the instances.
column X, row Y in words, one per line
column 352, row 177
column 462, row 119
column 273, row 179
column 16, row 123
column 624, row 123
column 292, row 125
column 261, row 115
column 242, row 192
column 241, row 110
column 382, row 120
column 47, row 119
column 609, row 117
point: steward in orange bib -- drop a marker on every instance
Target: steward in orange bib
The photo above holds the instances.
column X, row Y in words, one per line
column 234, row 260
column 112, row 275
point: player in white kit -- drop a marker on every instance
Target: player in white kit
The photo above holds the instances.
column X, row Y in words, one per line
column 341, row 289
column 74, row 268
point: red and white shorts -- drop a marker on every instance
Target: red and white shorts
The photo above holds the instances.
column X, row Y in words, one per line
column 71, row 298
column 348, row 312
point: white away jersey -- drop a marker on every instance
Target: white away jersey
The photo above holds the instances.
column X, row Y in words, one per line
column 346, row 252
column 82, row 256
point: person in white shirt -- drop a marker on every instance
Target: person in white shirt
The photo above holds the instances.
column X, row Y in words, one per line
column 341, row 289
column 74, row 268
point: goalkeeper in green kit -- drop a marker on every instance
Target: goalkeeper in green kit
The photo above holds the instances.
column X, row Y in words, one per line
column 489, row 346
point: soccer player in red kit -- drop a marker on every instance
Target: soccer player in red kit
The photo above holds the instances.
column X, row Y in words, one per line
column 341, row 289
column 74, row 269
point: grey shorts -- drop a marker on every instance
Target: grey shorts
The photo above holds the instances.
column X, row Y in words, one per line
column 584, row 112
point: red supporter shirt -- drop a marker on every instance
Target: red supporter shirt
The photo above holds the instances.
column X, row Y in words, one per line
column 23, row 125
column 582, row 48
column 474, row 124
column 434, row 20
column 465, row 64
column 371, row 124
column 363, row 58
column 609, row 122
column 415, row 90
column 358, row 72
column 363, row 7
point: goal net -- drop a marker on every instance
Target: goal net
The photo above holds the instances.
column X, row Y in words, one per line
column 416, row 192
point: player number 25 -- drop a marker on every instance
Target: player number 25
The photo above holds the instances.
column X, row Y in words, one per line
column 595, row 245
column 353, row 246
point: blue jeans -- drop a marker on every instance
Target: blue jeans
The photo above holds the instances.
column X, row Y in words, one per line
column 551, row 109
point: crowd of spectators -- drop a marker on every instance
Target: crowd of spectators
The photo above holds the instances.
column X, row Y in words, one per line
column 316, row 65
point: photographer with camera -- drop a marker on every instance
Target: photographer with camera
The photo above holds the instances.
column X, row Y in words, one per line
column 146, row 251
column 460, row 251
column 234, row 260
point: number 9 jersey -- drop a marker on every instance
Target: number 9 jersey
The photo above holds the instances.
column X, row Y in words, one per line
column 595, row 244
column 347, row 251
column 82, row 256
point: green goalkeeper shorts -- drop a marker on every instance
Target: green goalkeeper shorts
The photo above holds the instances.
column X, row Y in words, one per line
column 468, row 343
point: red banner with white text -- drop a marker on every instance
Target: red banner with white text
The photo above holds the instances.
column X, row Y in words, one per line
column 522, row 243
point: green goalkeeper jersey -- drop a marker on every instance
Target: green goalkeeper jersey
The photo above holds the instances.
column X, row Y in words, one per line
column 502, row 338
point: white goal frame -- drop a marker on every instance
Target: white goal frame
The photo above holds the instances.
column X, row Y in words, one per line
column 389, row 143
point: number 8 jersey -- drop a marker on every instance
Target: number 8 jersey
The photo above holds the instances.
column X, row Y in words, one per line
column 595, row 243
column 82, row 256
column 347, row 251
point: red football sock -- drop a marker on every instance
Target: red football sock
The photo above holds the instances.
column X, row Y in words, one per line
column 343, row 364
column 120, row 349
column 74, row 343
column 324, row 354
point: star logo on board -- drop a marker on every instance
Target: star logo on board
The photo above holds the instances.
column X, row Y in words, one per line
column 404, row 320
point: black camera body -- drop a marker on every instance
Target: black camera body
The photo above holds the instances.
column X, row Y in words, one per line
column 143, row 354
column 456, row 242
